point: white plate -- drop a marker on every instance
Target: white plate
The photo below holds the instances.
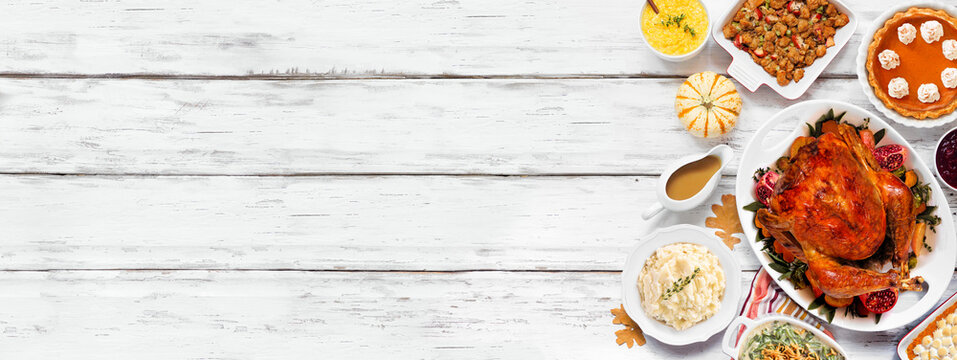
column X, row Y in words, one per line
column 902, row 345
column 681, row 234
column 862, row 70
column 752, row 75
column 936, row 267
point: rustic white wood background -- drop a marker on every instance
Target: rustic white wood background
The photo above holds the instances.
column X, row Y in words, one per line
column 344, row 179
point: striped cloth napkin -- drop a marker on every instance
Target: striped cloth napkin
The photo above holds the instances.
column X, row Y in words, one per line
column 766, row 298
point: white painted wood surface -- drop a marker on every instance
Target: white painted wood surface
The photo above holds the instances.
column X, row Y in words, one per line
column 514, row 127
column 433, row 223
column 413, row 223
column 290, row 178
column 283, row 315
column 349, row 38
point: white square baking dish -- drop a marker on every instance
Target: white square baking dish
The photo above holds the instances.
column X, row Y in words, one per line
column 752, row 76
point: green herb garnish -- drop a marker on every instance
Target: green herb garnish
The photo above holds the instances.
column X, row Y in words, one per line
column 921, row 193
column 899, row 172
column 879, row 135
column 690, row 31
column 673, row 20
column 753, row 207
column 793, row 271
column 817, row 129
column 680, row 284
column 928, row 217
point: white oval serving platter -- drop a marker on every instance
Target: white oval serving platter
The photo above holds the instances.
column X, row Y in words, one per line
column 936, row 267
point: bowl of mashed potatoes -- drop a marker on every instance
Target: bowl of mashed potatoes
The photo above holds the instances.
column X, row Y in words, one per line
column 681, row 285
column 678, row 31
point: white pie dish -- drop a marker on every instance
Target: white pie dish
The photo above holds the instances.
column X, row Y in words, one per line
column 631, row 300
column 936, row 267
column 751, row 75
column 861, row 67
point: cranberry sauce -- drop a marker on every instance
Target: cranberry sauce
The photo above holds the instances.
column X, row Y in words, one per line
column 947, row 158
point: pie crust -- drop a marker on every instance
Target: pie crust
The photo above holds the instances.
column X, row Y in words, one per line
column 920, row 62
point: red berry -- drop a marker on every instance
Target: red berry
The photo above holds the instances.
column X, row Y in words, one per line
column 890, row 157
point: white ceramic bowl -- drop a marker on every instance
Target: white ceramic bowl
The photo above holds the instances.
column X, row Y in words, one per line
column 752, row 75
column 934, row 162
column 734, row 350
column 862, row 62
column 631, row 300
column 683, row 57
column 937, row 267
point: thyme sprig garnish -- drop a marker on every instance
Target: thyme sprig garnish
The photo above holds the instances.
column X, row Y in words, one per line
column 676, row 21
column 680, row 284
column 673, row 20
column 690, row 30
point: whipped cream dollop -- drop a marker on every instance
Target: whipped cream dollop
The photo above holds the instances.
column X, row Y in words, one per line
column 949, row 78
column 950, row 49
column 906, row 33
column 931, row 31
column 889, row 59
column 928, row 93
column 897, row 88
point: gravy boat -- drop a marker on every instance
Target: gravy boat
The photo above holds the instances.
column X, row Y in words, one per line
column 724, row 154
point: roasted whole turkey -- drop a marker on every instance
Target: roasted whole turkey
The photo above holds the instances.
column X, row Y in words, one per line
column 838, row 211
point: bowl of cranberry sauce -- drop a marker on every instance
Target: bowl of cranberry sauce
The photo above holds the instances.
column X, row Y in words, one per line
column 946, row 158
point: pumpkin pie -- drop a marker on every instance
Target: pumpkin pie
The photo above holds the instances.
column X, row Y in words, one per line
column 911, row 61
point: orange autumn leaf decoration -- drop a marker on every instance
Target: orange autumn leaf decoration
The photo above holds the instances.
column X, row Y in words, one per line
column 631, row 334
column 726, row 220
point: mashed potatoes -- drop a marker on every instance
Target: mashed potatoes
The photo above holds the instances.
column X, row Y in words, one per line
column 673, row 292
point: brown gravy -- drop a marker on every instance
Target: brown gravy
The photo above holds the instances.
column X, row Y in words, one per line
column 689, row 179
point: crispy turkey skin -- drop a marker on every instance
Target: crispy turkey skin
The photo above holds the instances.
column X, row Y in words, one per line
column 834, row 206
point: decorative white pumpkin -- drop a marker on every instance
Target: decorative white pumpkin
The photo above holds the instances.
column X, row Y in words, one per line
column 708, row 104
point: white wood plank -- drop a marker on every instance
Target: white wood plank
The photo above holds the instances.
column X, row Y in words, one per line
column 348, row 38
column 367, row 223
column 371, row 127
column 296, row 315
column 355, row 223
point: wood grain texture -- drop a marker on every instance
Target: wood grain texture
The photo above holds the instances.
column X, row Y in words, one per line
column 515, row 127
column 349, row 38
column 171, row 176
column 296, row 315
column 413, row 223
column 329, row 223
